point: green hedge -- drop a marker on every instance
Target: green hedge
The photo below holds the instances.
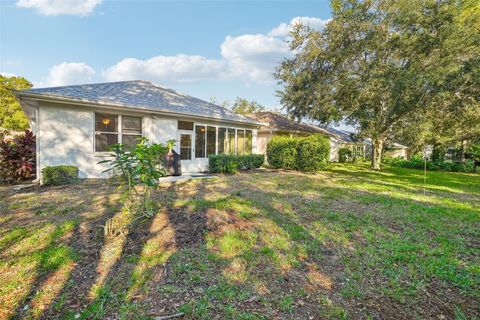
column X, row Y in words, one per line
column 59, row 175
column 417, row 162
column 282, row 152
column 345, row 155
column 304, row 153
column 231, row 163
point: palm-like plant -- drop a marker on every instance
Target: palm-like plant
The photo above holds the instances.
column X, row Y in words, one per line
column 142, row 166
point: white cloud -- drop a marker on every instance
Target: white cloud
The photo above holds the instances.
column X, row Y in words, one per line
column 250, row 58
column 166, row 69
column 283, row 29
column 68, row 73
column 246, row 57
column 60, row 7
column 7, row 74
column 253, row 57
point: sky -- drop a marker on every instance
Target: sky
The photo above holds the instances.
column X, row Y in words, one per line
column 207, row 49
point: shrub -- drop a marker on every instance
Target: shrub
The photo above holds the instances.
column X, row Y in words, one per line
column 282, row 152
column 17, row 158
column 417, row 162
column 345, row 155
column 312, row 153
column 223, row 163
column 142, row 166
column 59, row 175
column 304, row 153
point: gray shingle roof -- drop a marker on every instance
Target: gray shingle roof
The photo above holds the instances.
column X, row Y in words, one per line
column 142, row 95
column 281, row 122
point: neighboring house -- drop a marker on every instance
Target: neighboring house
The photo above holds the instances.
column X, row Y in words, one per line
column 396, row 150
column 75, row 125
column 279, row 124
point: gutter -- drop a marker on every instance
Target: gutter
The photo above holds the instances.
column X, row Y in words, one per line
column 85, row 102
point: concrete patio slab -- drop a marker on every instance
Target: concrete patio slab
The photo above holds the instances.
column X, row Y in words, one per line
column 186, row 176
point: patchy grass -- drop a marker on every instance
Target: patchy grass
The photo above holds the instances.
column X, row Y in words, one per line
column 346, row 243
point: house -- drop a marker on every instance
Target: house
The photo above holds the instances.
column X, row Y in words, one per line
column 279, row 124
column 76, row 124
column 396, row 150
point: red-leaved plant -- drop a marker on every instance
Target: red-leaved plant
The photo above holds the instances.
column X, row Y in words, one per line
column 17, row 158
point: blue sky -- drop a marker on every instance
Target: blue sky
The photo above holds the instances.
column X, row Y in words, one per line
column 221, row 49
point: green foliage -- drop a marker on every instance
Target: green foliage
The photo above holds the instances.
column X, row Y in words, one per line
column 417, row 162
column 223, row 163
column 18, row 158
column 282, row 152
column 245, row 107
column 345, row 155
column 474, row 151
column 312, row 153
column 142, row 166
column 385, row 65
column 11, row 114
column 59, row 175
column 303, row 153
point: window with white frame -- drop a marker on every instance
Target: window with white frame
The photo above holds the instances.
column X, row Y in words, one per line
column 112, row 129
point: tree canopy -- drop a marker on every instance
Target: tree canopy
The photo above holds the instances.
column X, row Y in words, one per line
column 240, row 105
column 383, row 65
column 245, row 107
column 11, row 114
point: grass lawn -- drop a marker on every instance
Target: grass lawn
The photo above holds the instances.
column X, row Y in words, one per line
column 346, row 243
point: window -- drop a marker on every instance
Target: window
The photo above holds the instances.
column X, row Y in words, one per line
column 211, row 140
column 186, row 146
column 248, row 141
column 222, row 140
column 200, row 141
column 131, row 130
column 106, row 131
column 185, row 125
column 231, row 141
column 240, row 141
column 112, row 129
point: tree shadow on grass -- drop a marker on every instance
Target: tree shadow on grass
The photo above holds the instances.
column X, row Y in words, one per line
column 229, row 266
column 221, row 248
column 65, row 263
column 296, row 223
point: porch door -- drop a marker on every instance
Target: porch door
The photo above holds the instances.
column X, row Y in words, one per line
column 186, row 150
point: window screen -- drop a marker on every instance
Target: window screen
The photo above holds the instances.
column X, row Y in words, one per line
column 222, row 140
column 248, row 141
column 240, row 141
column 185, row 125
column 200, row 141
column 231, row 141
column 106, row 131
column 211, row 140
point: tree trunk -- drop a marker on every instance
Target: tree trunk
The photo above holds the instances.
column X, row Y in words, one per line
column 377, row 146
column 462, row 151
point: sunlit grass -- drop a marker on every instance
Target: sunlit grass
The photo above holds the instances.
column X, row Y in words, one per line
column 255, row 245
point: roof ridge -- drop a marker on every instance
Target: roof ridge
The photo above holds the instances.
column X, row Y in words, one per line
column 87, row 84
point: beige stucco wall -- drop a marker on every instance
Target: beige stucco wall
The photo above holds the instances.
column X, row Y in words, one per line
column 65, row 136
column 397, row 153
column 334, row 147
column 262, row 140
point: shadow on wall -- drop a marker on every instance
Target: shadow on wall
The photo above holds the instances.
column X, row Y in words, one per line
column 62, row 143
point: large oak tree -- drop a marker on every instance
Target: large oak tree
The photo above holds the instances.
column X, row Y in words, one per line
column 379, row 63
